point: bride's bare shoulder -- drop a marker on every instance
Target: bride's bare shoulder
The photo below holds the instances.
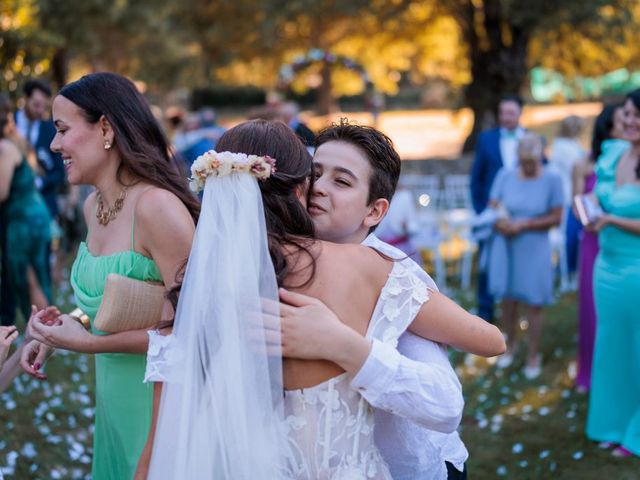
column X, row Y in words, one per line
column 359, row 258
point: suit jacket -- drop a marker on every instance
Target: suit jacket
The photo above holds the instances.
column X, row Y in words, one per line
column 487, row 162
column 53, row 179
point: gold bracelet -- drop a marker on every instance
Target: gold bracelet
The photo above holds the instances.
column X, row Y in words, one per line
column 82, row 318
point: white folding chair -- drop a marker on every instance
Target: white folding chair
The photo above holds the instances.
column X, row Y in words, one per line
column 457, row 191
column 425, row 189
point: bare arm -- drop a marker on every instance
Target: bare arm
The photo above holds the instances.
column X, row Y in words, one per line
column 442, row 320
column 9, row 158
column 628, row 224
column 578, row 175
column 167, row 241
column 544, row 222
column 145, row 458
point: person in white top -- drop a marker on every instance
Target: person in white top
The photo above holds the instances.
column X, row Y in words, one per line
column 399, row 224
column 356, row 170
column 566, row 151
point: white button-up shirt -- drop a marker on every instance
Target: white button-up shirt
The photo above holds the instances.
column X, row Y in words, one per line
column 22, row 125
column 509, row 146
column 411, row 390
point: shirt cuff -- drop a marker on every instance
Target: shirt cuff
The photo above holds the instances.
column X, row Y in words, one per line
column 377, row 372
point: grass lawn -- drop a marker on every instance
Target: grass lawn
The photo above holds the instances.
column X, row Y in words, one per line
column 513, row 428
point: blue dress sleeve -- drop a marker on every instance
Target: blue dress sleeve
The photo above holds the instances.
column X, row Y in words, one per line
column 556, row 198
column 497, row 189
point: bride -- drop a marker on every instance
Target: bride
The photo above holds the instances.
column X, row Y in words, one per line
column 227, row 406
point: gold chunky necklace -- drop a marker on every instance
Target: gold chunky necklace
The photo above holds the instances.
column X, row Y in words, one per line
column 104, row 217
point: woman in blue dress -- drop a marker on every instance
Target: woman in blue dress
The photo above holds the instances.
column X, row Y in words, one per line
column 614, row 403
column 529, row 200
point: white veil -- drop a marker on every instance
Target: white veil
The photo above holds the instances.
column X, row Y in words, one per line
column 221, row 410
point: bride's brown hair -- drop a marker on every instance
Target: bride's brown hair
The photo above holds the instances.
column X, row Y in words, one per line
column 287, row 220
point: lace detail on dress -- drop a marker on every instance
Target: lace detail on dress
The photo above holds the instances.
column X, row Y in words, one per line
column 330, row 426
column 162, row 358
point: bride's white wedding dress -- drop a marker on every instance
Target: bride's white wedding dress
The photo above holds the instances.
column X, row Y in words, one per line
column 330, row 426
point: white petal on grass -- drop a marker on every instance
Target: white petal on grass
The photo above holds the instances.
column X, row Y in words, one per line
column 544, row 454
column 578, row 455
column 12, row 456
column 517, row 448
column 501, row 470
column 28, row 450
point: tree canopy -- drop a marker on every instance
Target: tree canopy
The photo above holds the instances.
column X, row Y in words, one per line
column 480, row 47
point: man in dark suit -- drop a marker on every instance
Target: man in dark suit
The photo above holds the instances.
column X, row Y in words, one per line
column 34, row 125
column 496, row 148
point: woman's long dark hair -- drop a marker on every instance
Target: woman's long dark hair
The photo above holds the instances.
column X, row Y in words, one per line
column 635, row 98
column 143, row 147
column 602, row 129
column 287, row 220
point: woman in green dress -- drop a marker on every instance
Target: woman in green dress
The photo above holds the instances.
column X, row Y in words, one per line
column 614, row 403
column 141, row 219
column 25, row 222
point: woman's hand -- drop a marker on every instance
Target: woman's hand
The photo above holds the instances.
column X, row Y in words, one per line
column 66, row 333
column 33, row 357
column 603, row 221
column 7, row 336
column 510, row 228
column 49, row 316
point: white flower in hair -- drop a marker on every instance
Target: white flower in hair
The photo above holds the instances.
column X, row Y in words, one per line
column 217, row 164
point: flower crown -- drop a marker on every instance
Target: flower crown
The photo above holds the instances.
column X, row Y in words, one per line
column 218, row 164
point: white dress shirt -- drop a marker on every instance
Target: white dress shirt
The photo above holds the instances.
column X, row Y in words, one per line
column 22, row 124
column 399, row 384
column 509, row 146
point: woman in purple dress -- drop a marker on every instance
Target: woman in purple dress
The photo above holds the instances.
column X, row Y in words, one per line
column 607, row 134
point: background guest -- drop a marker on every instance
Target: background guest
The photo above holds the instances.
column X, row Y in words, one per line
column 26, row 224
column 496, row 149
column 614, row 402
column 520, row 270
column 566, row 151
column 607, row 141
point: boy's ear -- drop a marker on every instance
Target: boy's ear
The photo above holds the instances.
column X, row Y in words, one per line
column 377, row 210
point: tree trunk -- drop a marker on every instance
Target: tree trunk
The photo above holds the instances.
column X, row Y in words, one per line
column 488, row 85
column 326, row 102
column 497, row 54
column 60, row 67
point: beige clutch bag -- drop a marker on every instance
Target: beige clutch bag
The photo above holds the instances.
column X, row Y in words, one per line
column 129, row 304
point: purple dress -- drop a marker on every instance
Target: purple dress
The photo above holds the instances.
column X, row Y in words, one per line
column 586, row 308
